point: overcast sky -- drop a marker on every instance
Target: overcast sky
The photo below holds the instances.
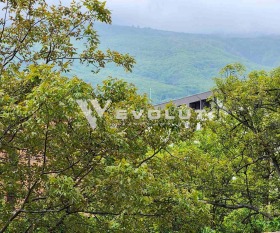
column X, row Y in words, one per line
column 199, row 16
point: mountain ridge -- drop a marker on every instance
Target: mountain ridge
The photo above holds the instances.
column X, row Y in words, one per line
column 173, row 65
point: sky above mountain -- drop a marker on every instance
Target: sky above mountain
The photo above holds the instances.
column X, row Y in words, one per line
column 197, row 16
column 200, row 16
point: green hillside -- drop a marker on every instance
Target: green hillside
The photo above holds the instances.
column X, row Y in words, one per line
column 173, row 65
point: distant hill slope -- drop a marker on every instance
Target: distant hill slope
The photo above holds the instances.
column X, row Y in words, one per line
column 173, row 65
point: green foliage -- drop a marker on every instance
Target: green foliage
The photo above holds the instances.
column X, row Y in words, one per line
column 36, row 32
column 242, row 140
column 111, row 179
column 57, row 174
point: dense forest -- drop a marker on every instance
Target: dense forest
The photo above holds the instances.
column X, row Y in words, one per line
column 140, row 173
column 174, row 65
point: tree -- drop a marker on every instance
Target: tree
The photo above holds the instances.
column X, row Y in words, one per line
column 65, row 176
column 34, row 32
column 243, row 141
column 57, row 173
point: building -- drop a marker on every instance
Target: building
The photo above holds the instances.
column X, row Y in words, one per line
column 197, row 102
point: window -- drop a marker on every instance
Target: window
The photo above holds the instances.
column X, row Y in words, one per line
column 195, row 105
column 205, row 104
